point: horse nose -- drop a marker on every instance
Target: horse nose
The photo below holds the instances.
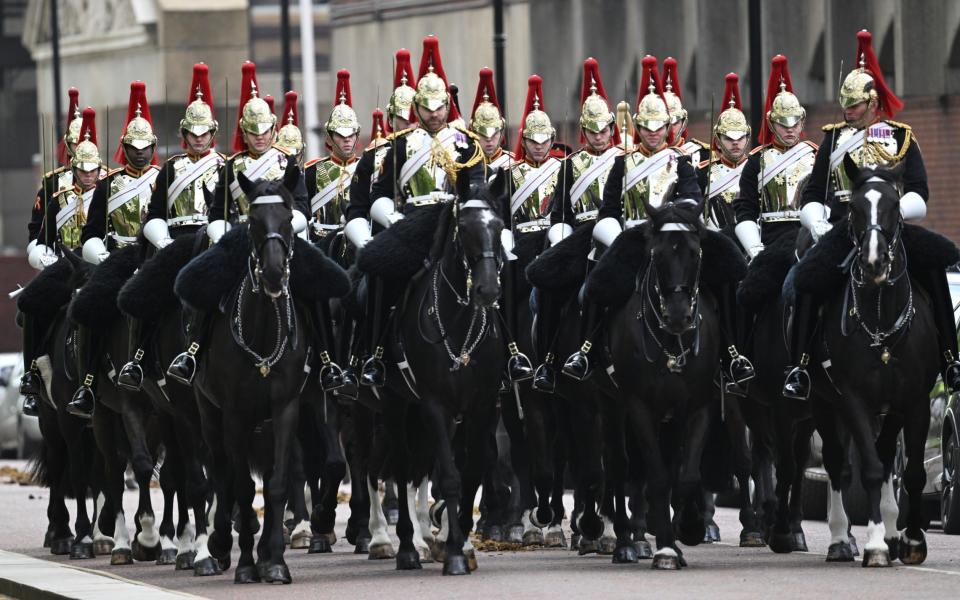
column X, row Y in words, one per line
column 487, row 294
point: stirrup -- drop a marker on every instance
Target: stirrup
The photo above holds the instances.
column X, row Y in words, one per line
column 184, row 365
column 741, row 369
column 331, row 375
column 577, row 365
column 131, row 374
column 373, row 373
column 519, row 367
column 797, row 385
column 31, row 406
column 83, row 401
column 545, row 379
column 31, row 382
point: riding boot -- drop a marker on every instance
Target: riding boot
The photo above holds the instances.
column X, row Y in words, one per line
column 545, row 378
column 83, row 401
column 345, row 356
column 131, row 374
column 518, row 365
column 30, row 383
column 578, row 364
column 331, row 375
column 184, row 365
column 373, row 373
column 797, row 384
column 737, row 367
column 936, row 283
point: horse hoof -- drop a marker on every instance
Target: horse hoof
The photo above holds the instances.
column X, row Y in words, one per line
column 48, row 538
column 168, row 556
column 644, row 550
column 393, row 516
column 854, row 548
column 456, row 565
column 262, row 569
column 781, row 543
column 712, row 534
column 798, row 541
column 591, row 526
column 534, row 537
column 607, row 546
column 81, row 550
column 876, row 558
column 185, row 561
column 277, row 574
column 542, row 516
column 320, row 545
column 554, row 539
column 426, row 554
column 224, row 563
column 301, row 540
column 625, row 554
column 103, row 547
column 381, row 551
column 438, row 552
column 362, row 546
column 515, row 534
column 911, row 552
column 839, row 552
column 691, row 533
column 61, row 546
column 408, row 560
column 666, row 561
column 471, row 560
column 575, row 541
column 752, row 539
column 205, row 567
column 246, row 574
column 142, row 553
column 587, row 547
column 494, row 533
column 121, row 556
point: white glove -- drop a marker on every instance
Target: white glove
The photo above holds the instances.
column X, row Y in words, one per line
column 31, row 246
column 814, row 216
column 753, row 251
column 41, row 257
column 507, row 241
column 95, row 251
column 912, row 207
column 748, row 233
column 299, row 221
column 358, row 232
column 606, row 230
column 157, row 233
column 557, row 232
column 216, row 229
column 384, row 212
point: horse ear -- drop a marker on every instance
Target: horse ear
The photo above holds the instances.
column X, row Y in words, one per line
column 208, row 195
column 651, row 211
column 245, row 184
column 851, row 168
column 291, row 176
column 75, row 261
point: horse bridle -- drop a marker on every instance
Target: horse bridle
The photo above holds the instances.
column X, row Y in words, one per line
column 253, row 262
column 892, row 245
column 469, row 262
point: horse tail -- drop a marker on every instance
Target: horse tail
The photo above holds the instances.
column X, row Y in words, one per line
column 39, row 466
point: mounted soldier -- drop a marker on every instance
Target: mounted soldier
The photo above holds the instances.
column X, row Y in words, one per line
column 257, row 157
column 679, row 118
column 178, row 204
column 719, row 176
column 423, row 166
column 117, row 210
column 871, row 142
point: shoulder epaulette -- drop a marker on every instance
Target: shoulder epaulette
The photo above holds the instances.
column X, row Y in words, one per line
column 113, row 172
column 899, row 124
column 757, row 149
column 380, row 141
column 467, row 132
column 396, row 134
column 812, row 144
column 235, row 154
column 704, row 163
column 703, row 145
column 312, row 162
column 56, row 171
column 62, row 192
column 282, row 150
column 832, row 126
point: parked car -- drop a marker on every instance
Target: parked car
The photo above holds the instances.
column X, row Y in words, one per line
column 19, row 434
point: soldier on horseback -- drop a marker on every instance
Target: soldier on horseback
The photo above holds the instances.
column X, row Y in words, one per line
column 719, row 176
column 872, row 142
column 697, row 150
column 114, row 218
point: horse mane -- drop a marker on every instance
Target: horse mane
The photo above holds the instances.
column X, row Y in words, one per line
column 888, row 175
column 679, row 212
column 267, row 188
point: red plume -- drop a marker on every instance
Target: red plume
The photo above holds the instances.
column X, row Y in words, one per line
column 290, row 106
column 379, row 125
column 402, row 69
column 201, row 80
column 343, row 88
column 247, row 84
column 89, row 125
column 271, row 103
column 591, row 77
column 138, row 98
column 732, row 91
column 74, row 95
column 777, row 72
column 889, row 103
column 431, row 58
column 487, row 88
column 648, row 74
column 534, row 92
column 671, row 77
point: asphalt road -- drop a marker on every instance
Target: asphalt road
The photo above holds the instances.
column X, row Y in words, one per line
column 716, row 571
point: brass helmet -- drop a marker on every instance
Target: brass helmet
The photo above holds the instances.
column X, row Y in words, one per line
column 198, row 118
column 671, row 90
column 255, row 115
column 652, row 112
column 139, row 129
column 485, row 119
column 536, row 125
column 781, row 106
column 289, row 137
column 86, row 157
column 432, row 88
column 343, row 119
column 595, row 113
column 401, row 100
column 72, row 133
column 732, row 122
column 866, row 81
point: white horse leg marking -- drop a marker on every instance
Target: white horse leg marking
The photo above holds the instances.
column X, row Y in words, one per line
column 167, row 544
column 148, row 536
column 423, row 510
column 121, row 536
column 889, row 510
column 875, row 537
column 186, row 539
column 423, row 549
column 378, row 521
column 200, row 546
column 837, row 518
column 98, row 536
column 303, row 527
column 608, row 531
column 212, row 515
column 307, row 498
column 527, row 523
column 441, row 536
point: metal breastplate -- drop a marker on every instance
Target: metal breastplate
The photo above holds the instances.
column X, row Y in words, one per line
column 655, row 188
column 431, row 176
column 722, row 201
column 241, row 163
column 191, row 200
column 378, row 156
column 327, row 173
column 70, row 231
column 876, row 152
column 782, row 193
column 533, row 205
column 126, row 220
column 592, row 198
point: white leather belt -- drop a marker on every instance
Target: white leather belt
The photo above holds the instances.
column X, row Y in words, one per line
column 781, row 215
column 590, row 215
column 123, row 240
column 531, row 226
column 429, row 199
column 842, row 195
column 187, row 220
column 631, row 223
column 322, row 230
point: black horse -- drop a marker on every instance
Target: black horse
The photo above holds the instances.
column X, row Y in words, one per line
column 878, row 336
column 665, row 346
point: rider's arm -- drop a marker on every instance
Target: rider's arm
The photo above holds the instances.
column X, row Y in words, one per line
column 612, row 205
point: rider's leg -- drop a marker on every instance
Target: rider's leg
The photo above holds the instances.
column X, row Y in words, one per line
column 736, row 366
column 545, row 378
column 578, row 364
column 374, row 371
column 88, row 354
column 802, row 328
column 131, row 374
column 184, row 365
column 31, row 385
column 518, row 365
column 331, row 375
column 935, row 281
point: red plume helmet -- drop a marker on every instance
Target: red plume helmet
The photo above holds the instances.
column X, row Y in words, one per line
column 533, row 102
column 200, row 83
column 889, row 104
column 89, row 125
column 290, row 106
column 486, row 92
column 593, row 83
column 271, row 103
column 72, row 110
column 650, row 76
column 402, row 76
column 379, row 127
column 343, row 89
column 137, row 100
column 671, row 78
column 248, row 88
column 778, row 73
column 431, row 58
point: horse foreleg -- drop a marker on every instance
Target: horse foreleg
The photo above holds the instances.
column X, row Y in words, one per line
column 836, row 464
column 171, row 478
column 912, row 547
column 801, row 455
column 284, row 430
column 692, row 527
column 380, row 545
column 436, row 422
column 325, row 506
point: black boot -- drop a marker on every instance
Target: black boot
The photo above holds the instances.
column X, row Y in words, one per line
column 797, row 384
column 519, row 367
column 737, row 367
column 31, row 406
column 936, row 283
column 545, row 377
column 373, row 373
column 31, row 384
column 131, row 374
column 88, row 353
column 578, row 364
column 331, row 375
column 83, row 401
column 183, row 367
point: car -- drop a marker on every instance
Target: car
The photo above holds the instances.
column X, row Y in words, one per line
column 19, row 434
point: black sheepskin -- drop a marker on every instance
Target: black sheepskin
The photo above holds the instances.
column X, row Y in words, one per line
column 95, row 305
column 614, row 278
column 527, row 247
column 398, row 252
column 927, row 249
column 563, row 266
column 765, row 275
column 209, row 277
column 149, row 293
column 48, row 291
